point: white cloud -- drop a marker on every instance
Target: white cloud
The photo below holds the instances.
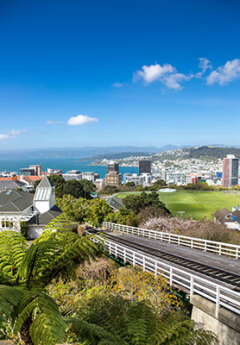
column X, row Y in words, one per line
column 225, row 74
column 166, row 74
column 13, row 133
column 153, row 72
column 117, row 84
column 173, row 80
column 204, row 64
column 50, row 122
column 80, row 120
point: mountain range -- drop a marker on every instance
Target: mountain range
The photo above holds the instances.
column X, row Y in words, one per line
column 91, row 152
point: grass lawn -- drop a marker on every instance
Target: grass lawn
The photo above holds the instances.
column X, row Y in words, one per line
column 196, row 204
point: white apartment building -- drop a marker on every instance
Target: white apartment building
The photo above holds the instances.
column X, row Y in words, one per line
column 175, row 176
column 139, row 180
column 90, row 176
column 72, row 175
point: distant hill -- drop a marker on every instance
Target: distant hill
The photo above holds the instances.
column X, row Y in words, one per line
column 116, row 152
column 113, row 156
column 82, row 152
column 212, row 152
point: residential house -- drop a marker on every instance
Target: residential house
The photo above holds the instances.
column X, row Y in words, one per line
column 36, row 209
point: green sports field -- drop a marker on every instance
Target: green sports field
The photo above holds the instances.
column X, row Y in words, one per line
column 195, row 204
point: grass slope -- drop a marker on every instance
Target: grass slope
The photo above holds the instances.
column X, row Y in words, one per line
column 196, row 204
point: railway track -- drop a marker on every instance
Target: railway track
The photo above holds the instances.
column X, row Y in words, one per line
column 207, row 270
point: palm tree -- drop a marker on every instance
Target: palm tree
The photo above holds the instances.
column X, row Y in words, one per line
column 25, row 305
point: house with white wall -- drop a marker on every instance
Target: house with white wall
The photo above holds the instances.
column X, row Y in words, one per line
column 36, row 209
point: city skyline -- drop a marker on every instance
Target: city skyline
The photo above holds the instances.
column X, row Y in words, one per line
column 113, row 74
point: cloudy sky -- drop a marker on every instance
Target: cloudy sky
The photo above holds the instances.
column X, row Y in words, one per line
column 119, row 72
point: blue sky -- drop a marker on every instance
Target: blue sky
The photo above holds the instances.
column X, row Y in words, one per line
column 97, row 73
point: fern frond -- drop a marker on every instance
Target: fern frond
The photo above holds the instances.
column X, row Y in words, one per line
column 47, row 326
column 60, row 223
column 10, row 297
column 12, row 250
column 140, row 322
column 37, row 258
column 93, row 334
column 6, row 279
column 72, row 253
column 176, row 330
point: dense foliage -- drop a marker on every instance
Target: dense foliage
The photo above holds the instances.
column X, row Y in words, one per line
column 212, row 152
column 137, row 203
column 25, row 306
column 83, row 210
column 82, row 188
column 40, row 303
column 130, row 308
column 123, row 216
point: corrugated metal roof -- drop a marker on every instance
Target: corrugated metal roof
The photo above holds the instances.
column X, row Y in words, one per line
column 43, row 190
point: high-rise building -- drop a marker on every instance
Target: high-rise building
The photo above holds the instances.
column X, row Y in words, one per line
column 33, row 170
column 27, row 172
column 113, row 178
column 112, row 166
column 37, row 169
column 230, row 171
column 145, row 166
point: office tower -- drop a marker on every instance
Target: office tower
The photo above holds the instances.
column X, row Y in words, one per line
column 230, row 171
column 27, row 172
column 112, row 166
column 113, row 178
column 145, row 166
column 37, row 169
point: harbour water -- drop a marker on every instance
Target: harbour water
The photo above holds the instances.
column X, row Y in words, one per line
column 64, row 164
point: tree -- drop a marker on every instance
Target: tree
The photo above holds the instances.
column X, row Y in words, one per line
column 74, row 209
column 138, row 202
column 123, row 216
column 25, row 306
column 159, row 183
column 74, row 188
column 97, row 211
column 88, row 188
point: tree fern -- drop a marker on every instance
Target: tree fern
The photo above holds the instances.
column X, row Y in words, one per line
column 93, row 334
column 179, row 330
column 47, row 325
column 12, row 250
column 140, row 322
column 10, row 298
column 27, row 271
column 134, row 323
column 37, row 258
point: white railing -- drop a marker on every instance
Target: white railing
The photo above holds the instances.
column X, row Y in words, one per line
column 220, row 248
column 220, row 295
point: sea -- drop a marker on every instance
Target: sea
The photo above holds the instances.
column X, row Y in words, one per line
column 64, row 164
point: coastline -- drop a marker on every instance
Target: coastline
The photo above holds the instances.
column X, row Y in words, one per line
column 120, row 165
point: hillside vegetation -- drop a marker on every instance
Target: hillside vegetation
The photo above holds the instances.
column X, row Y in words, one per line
column 212, row 152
